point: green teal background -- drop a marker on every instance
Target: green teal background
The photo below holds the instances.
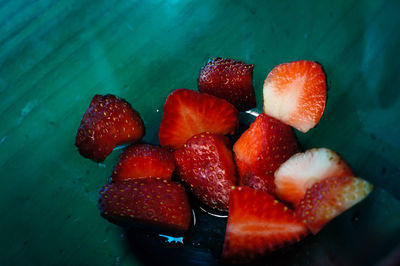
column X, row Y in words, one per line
column 55, row 55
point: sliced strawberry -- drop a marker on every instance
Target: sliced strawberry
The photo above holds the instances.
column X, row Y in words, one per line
column 327, row 199
column 302, row 170
column 229, row 79
column 205, row 163
column 187, row 113
column 258, row 224
column 109, row 121
column 163, row 204
column 295, row 93
column 261, row 149
column 142, row 161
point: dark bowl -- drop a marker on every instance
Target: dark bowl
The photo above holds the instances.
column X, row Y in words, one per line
column 55, row 55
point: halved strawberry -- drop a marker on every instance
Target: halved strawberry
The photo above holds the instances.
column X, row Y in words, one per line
column 109, row 121
column 258, row 224
column 330, row 197
column 295, row 93
column 163, row 204
column 229, row 79
column 205, row 163
column 142, row 161
column 302, row 170
column 261, row 149
column 187, row 113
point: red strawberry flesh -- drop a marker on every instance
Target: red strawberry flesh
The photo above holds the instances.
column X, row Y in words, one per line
column 230, row 80
column 187, row 113
column 109, row 121
column 142, row 161
column 206, row 164
column 261, row 149
column 162, row 204
column 257, row 225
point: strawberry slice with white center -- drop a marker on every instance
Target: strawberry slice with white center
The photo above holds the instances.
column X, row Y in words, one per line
column 295, row 93
column 258, row 224
column 327, row 199
column 302, row 170
column 187, row 113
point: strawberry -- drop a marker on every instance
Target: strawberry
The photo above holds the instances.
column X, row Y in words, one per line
column 187, row 113
column 295, row 93
column 258, row 224
column 302, row 170
column 163, row 204
column 144, row 160
column 109, row 121
column 205, row 163
column 330, row 197
column 230, row 80
column 261, row 149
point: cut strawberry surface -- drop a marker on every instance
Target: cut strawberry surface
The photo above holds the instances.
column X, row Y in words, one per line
column 142, row 161
column 258, row 224
column 302, row 170
column 229, row 79
column 109, row 121
column 261, row 149
column 187, row 113
column 295, row 93
column 206, row 164
column 330, row 197
column 163, row 204
column 264, row 163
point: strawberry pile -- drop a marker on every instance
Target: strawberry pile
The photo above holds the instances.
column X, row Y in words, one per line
column 274, row 193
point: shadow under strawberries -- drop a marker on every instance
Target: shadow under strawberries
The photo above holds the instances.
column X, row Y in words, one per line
column 200, row 245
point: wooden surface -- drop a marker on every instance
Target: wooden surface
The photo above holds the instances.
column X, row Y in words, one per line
column 55, row 55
